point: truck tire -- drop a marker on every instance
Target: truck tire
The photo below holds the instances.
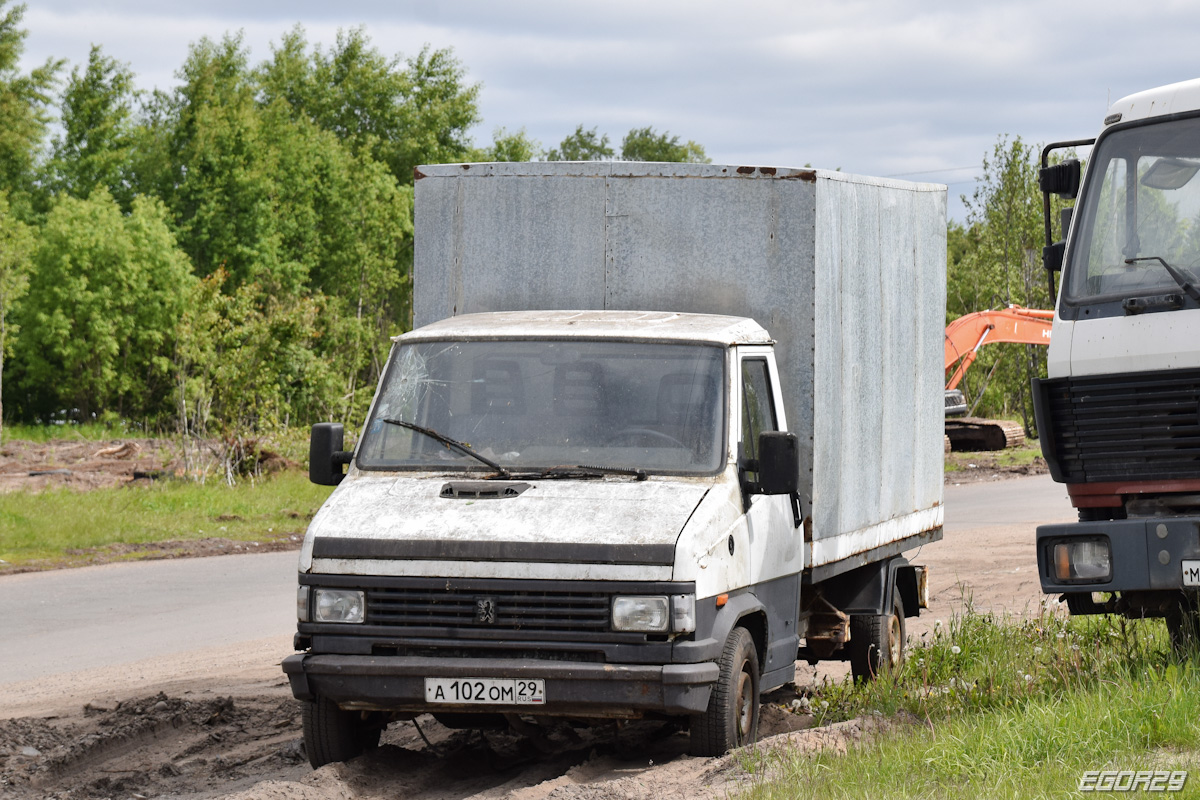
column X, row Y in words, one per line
column 331, row 734
column 877, row 642
column 731, row 719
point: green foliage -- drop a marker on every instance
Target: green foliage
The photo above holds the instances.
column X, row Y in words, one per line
column 400, row 113
column 995, row 261
column 16, row 242
column 643, row 144
column 582, row 145
column 97, row 140
column 640, row 144
column 24, row 103
column 105, row 295
column 507, row 146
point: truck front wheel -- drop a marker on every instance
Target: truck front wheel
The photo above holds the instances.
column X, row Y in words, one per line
column 877, row 642
column 731, row 719
column 331, row 734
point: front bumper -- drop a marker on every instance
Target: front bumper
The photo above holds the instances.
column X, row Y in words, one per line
column 397, row 683
column 1146, row 554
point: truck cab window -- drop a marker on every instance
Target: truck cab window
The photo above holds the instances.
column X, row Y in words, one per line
column 758, row 407
column 1142, row 205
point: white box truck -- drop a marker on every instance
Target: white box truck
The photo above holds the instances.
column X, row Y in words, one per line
column 660, row 430
column 1118, row 413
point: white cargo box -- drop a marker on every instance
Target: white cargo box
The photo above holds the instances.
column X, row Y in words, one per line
column 847, row 273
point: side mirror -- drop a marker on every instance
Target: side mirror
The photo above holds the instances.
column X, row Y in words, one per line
column 325, row 454
column 1052, row 256
column 1061, row 179
column 778, row 463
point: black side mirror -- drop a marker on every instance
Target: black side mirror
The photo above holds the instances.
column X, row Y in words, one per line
column 1052, row 256
column 325, row 455
column 1061, row 179
column 778, row 463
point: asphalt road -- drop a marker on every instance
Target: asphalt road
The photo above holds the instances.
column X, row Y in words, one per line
column 80, row 619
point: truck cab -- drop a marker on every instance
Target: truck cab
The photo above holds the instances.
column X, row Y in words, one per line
column 576, row 513
column 1118, row 412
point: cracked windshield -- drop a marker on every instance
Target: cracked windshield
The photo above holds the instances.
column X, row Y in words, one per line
column 535, row 404
column 1146, row 212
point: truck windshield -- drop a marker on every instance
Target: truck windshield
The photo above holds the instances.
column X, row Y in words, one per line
column 536, row 404
column 1142, row 205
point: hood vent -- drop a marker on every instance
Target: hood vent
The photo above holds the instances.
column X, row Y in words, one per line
column 482, row 490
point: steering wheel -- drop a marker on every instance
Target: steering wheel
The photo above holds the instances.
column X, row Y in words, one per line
column 631, row 432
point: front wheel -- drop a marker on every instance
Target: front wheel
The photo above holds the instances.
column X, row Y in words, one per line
column 877, row 642
column 731, row 719
column 331, row 734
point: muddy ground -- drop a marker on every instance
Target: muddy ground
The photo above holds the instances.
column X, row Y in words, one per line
column 201, row 745
column 221, row 723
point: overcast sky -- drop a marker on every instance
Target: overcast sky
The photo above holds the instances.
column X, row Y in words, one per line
column 906, row 88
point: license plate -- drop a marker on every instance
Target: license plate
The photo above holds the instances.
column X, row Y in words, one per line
column 485, row 691
column 1191, row 573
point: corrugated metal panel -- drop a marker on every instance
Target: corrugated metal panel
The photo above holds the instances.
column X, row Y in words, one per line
column 846, row 273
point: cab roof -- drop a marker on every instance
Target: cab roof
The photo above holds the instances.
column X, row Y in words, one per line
column 644, row 325
column 1161, row 101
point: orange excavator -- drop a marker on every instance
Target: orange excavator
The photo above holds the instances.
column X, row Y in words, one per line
column 964, row 337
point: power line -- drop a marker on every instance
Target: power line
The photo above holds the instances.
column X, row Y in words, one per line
column 931, row 171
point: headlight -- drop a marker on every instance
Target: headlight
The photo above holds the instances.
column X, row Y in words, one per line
column 338, row 605
column 643, row 614
column 302, row 604
column 1083, row 561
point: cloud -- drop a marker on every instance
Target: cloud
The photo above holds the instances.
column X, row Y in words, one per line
column 871, row 86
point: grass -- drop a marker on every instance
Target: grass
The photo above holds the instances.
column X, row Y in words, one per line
column 1021, row 456
column 60, row 526
column 1005, row 709
column 92, row 432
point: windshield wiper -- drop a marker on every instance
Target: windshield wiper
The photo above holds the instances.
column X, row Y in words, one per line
column 583, row 469
column 1183, row 282
column 446, row 440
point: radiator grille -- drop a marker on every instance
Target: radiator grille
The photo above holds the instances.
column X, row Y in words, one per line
column 530, row 611
column 1139, row 426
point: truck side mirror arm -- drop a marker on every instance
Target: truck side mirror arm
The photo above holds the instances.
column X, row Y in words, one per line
column 325, row 455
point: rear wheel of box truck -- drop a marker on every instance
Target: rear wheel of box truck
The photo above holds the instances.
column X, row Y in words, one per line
column 731, row 719
column 877, row 641
column 331, row 734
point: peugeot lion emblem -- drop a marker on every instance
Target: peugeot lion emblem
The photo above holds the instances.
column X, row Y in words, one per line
column 485, row 610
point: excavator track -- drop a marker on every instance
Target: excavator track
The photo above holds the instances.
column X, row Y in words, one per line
column 975, row 433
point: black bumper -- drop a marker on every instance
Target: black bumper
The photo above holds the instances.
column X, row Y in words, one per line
column 1146, row 554
column 397, row 683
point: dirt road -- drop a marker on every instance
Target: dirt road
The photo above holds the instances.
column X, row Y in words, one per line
column 217, row 720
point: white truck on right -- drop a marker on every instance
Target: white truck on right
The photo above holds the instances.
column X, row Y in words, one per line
column 1119, row 413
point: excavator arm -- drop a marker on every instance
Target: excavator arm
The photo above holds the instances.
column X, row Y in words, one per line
column 970, row 332
column 964, row 337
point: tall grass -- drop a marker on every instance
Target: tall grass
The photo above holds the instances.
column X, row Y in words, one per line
column 55, row 525
column 1006, row 709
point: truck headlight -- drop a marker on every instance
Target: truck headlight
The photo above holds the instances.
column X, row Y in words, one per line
column 338, row 605
column 642, row 614
column 1083, row 561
